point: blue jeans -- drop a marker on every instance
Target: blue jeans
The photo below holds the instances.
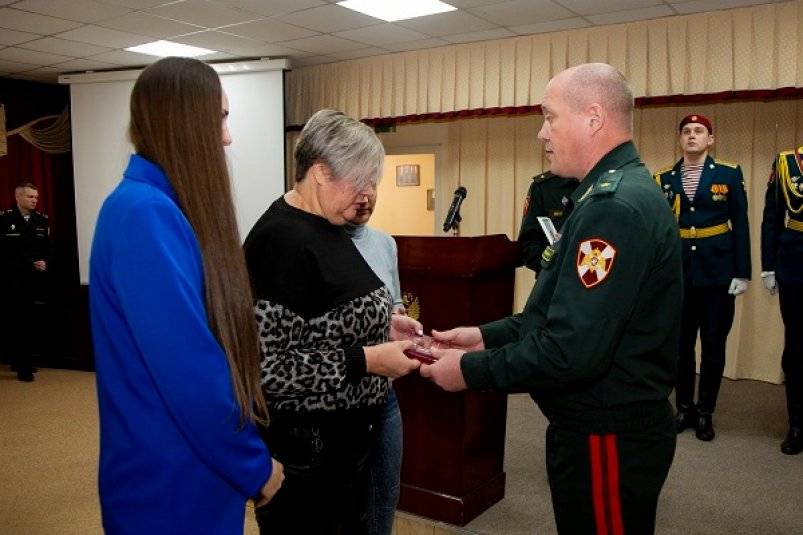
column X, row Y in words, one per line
column 384, row 469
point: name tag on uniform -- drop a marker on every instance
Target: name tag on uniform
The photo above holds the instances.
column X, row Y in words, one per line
column 556, row 214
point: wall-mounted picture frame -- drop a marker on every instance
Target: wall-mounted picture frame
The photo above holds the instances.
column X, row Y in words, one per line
column 431, row 200
column 408, row 175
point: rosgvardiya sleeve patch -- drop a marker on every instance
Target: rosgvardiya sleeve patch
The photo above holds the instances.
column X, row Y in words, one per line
column 595, row 259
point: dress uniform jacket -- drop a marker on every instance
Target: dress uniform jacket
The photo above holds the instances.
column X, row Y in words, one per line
column 548, row 196
column 782, row 241
column 23, row 243
column 597, row 341
column 711, row 260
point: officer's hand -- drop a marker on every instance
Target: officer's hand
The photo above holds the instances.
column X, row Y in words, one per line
column 389, row 360
column 40, row 265
column 465, row 338
column 768, row 278
column 446, row 373
column 405, row 328
column 273, row 483
column 738, row 287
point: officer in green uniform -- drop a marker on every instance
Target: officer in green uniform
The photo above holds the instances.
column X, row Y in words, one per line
column 596, row 344
column 710, row 202
column 548, row 196
column 781, row 261
column 24, row 257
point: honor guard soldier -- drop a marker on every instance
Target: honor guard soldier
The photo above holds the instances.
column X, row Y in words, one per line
column 710, row 203
column 548, row 197
column 781, row 261
column 24, row 257
column 597, row 342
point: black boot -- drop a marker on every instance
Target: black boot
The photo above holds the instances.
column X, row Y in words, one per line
column 705, row 427
column 25, row 377
column 686, row 418
column 793, row 444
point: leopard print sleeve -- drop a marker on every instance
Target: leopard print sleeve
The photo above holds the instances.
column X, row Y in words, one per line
column 304, row 360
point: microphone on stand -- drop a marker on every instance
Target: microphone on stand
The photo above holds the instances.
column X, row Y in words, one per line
column 453, row 216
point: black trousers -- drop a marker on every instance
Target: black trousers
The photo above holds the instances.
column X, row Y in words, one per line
column 326, row 479
column 710, row 311
column 791, row 298
column 608, row 484
column 19, row 331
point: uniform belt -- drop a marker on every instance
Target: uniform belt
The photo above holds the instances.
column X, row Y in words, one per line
column 795, row 225
column 704, row 232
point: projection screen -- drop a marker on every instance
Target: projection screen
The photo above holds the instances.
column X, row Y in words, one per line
column 101, row 147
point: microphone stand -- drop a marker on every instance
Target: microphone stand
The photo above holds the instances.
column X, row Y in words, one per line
column 456, row 225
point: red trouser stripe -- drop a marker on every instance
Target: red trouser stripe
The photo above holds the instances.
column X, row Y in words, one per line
column 605, row 484
column 617, row 526
column 597, row 486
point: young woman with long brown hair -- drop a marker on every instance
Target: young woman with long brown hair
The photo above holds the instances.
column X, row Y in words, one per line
column 175, row 340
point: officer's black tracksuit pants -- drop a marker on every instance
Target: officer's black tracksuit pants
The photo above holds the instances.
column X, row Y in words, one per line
column 710, row 311
column 792, row 360
column 608, row 484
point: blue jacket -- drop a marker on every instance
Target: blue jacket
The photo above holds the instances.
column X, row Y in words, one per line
column 720, row 199
column 173, row 458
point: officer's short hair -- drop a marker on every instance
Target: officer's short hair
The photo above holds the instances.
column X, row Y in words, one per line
column 350, row 148
column 23, row 185
column 604, row 82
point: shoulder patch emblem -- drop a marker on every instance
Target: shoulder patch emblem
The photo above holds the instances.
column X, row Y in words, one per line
column 595, row 258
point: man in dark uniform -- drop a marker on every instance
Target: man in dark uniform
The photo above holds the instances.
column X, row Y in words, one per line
column 548, row 196
column 781, row 261
column 24, row 257
column 710, row 202
column 596, row 344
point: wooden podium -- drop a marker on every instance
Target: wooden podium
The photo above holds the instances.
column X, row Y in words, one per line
column 454, row 443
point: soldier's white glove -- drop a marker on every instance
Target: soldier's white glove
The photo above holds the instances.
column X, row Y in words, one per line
column 738, row 287
column 768, row 277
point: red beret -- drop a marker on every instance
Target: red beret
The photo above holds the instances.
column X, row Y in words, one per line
column 701, row 119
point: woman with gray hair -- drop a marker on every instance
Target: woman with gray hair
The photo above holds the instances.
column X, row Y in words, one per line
column 324, row 320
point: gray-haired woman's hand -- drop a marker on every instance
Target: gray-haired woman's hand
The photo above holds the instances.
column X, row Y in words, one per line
column 389, row 360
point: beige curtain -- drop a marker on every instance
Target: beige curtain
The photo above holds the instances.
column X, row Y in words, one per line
column 751, row 48
column 494, row 158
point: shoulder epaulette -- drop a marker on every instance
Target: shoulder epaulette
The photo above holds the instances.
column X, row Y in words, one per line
column 608, row 183
column 790, row 152
column 726, row 163
column 542, row 177
column 664, row 170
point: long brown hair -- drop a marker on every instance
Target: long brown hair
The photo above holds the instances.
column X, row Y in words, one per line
column 176, row 123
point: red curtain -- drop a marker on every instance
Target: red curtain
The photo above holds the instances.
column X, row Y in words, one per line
column 52, row 175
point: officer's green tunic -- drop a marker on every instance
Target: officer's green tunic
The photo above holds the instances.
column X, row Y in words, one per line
column 597, row 342
column 548, row 196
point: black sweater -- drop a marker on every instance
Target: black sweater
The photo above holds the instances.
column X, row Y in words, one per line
column 317, row 304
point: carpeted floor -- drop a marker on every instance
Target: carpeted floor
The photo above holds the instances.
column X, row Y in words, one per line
column 738, row 484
